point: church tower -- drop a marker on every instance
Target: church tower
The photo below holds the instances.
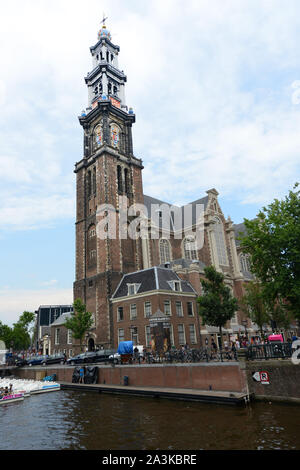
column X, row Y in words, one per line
column 108, row 174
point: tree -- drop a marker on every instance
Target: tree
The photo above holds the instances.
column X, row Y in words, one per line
column 18, row 337
column 273, row 242
column 280, row 316
column 26, row 319
column 216, row 305
column 254, row 304
column 80, row 321
column 5, row 334
column 21, row 338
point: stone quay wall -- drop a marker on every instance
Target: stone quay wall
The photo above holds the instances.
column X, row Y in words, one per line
column 283, row 377
column 203, row 376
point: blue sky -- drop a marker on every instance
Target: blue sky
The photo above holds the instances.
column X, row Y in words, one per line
column 216, row 91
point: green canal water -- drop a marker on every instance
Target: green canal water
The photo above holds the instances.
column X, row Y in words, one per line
column 78, row 420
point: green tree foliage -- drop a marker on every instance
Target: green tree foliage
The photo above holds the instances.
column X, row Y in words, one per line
column 216, row 305
column 18, row 337
column 273, row 242
column 80, row 321
column 254, row 304
column 5, row 334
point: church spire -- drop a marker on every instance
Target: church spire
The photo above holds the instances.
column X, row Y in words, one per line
column 106, row 81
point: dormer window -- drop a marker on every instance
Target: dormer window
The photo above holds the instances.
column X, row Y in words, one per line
column 133, row 288
column 177, row 286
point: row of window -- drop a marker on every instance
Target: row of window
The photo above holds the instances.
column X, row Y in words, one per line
column 133, row 313
column 134, row 288
column 57, row 337
column 181, row 333
column 101, row 56
column 190, row 246
column 189, row 250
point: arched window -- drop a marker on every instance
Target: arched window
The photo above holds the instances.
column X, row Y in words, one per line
column 92, row 246
column 164, row 251
column 190, row 248
column 245, row 262
column 94, row 181
column 126, row 177
column 89, row 183
column 120, row 180
column 220, row 242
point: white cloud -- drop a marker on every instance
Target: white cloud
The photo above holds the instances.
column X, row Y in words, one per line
column 14, row 302
column 211, row 83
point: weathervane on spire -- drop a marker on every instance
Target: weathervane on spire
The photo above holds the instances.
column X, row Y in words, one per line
column 104, row 19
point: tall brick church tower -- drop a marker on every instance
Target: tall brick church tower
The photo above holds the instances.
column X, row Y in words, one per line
column 107, row 172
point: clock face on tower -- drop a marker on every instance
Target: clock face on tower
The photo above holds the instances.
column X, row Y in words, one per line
column 98, row 136
column 115, row 135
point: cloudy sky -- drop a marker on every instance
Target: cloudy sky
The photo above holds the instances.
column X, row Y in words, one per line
column 215, row 86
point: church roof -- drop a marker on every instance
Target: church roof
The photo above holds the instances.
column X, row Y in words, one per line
column 239, row 229
column 156, row 278
column 149, row 201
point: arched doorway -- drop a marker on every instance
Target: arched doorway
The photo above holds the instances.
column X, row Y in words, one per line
column 91, row 345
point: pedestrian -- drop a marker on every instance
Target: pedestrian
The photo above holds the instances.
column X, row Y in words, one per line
column 136, row 354
column 81, row 375
column 233, row 349
column 65, row 358
column 237, row 344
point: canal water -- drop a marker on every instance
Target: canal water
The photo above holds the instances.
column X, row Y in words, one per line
column 72, row 420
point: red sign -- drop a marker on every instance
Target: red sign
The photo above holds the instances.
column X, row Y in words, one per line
column 264, row 378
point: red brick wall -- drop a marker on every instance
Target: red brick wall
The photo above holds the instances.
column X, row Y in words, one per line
column 192, row 376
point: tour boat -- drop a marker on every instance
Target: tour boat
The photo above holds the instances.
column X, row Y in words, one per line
column 45, row 389
column 11, row 398
column 29, row 387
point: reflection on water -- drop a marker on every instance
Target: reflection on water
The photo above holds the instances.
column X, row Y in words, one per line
column 75, row 420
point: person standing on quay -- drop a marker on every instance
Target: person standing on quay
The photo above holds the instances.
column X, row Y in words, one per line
column 81, row 375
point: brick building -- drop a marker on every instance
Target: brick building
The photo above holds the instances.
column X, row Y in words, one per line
column 109, row 184
column 141, row 294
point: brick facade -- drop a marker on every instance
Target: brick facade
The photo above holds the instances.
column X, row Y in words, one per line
column 109, row 171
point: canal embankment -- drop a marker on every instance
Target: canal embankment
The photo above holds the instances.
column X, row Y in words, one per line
column 271, row 380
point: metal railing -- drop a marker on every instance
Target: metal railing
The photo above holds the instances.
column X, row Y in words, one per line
column 269, row 351
column 190, row 356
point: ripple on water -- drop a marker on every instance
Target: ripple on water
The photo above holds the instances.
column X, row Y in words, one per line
column 72, row 420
